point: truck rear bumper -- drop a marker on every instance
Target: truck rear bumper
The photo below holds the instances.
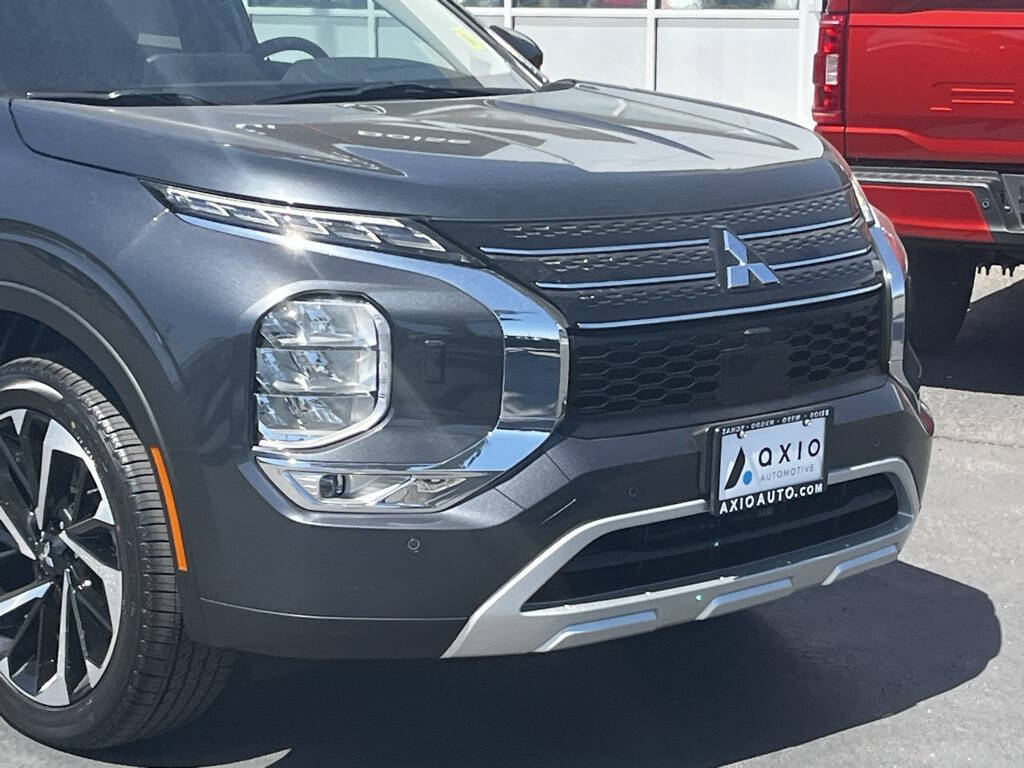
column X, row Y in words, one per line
column 962, row 206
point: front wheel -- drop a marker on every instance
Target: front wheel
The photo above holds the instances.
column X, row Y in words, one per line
column 941, row 284
column 92, row 648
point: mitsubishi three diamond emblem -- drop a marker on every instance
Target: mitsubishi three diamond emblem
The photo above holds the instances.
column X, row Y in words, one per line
column 737, row 264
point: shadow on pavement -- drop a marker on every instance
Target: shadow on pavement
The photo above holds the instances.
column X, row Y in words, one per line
column 701, row 694
column 989, row 354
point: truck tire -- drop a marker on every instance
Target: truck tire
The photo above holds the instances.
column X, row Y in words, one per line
column 939, row 294
column 92, row 647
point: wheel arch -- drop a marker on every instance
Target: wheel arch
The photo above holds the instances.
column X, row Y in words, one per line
column 32, row 323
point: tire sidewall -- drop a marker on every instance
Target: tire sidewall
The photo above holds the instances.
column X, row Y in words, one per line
column 93, row 713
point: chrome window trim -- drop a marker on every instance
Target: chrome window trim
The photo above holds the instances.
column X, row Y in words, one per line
column 671, row 244
column 500, row 625
column 748, row 310
column 534, row 387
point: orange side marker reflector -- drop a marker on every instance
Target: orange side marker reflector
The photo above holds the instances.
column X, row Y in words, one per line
column 172, row 509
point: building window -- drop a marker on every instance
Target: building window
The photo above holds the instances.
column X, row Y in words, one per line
column 675, row 5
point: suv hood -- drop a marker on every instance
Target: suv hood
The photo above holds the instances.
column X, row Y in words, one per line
column 585, row 150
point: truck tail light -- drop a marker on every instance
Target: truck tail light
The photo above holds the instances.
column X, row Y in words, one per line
column 829, row 66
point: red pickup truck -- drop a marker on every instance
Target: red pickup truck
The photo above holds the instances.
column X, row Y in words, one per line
column 925, row 98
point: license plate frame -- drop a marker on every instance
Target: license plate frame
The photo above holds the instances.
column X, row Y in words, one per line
column 797, row 473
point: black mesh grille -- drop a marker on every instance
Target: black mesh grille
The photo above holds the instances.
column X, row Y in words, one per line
column 779, row 216
column 724, row 362
column 702, row 547
column 613, row 266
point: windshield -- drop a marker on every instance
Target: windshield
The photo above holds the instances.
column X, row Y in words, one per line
column 248, row 51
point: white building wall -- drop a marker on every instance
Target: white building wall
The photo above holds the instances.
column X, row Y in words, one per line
column 758, row 59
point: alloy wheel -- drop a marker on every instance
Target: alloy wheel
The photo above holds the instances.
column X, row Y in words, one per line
column 60, row 576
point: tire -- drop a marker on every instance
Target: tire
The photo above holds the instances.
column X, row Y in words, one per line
column 941, row 284
column 90, row 677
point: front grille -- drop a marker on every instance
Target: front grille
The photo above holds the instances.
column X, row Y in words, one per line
column 702, row 547
column 647, row 268
column 680, row 260
column 655, row 331
column 549, row 234
column 724, row 362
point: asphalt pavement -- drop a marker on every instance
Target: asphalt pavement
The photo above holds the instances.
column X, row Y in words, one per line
column 919, row 663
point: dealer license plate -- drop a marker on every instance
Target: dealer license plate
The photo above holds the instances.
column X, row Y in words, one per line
column 769, row 460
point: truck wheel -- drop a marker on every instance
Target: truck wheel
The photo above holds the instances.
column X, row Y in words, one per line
column 941, row 283
column 92, row 648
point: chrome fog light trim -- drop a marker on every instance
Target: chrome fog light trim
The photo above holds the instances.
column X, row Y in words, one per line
column 365, row 490
column 390, row 489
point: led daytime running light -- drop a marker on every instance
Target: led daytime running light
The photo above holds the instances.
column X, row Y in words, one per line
column 326, row 226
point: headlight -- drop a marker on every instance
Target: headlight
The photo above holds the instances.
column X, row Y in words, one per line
column 323, row 371
column 352, row 229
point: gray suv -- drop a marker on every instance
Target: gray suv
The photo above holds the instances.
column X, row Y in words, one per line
column 339, row 333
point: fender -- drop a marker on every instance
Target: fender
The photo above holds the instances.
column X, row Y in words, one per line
column 67, row 316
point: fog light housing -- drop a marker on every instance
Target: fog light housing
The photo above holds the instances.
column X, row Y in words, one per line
column 365, row 489
column 323, row 371
column 332, row 486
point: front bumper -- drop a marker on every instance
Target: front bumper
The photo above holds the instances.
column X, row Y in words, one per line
column 501, row 626
column 456, row 586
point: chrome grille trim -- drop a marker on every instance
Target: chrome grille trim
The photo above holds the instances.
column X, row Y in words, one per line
column 820, row 260
column 672, row 244
column 749, row 310
column 642, row 281
column 798, row 230
column 635, row 283
column 594, row 249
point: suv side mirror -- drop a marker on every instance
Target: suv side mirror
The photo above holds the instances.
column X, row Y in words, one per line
column 521, row 44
